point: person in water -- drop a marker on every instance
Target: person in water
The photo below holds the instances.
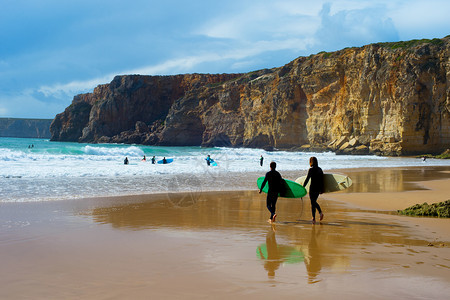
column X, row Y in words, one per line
column 125, row 162
column 315, row 174
column 261, row 161
column 164, row 160
column 208, row 160
column 153, row 159
column 144, row 159
column 274, row 179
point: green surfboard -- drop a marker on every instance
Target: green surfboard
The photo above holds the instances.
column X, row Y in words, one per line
column 291, row 189
column 284, row 253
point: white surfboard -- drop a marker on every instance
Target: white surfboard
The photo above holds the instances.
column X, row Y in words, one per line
column 332, row 182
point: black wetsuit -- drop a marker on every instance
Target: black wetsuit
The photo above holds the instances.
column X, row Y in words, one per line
column 316, row 188
column 273, row 178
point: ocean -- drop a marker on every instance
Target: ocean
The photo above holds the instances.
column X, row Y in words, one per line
column 41, row 170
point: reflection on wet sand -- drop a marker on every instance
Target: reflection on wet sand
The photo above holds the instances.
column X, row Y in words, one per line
column 313, row 257
column 345, row 239
column 393, row 180
column 274, row 254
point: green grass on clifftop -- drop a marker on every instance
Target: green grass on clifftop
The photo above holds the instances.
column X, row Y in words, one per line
column 441, row 210
column 411, row 43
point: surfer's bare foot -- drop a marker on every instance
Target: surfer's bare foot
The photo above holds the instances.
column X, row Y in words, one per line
column 313, row 221
column 270, row 221
column 273, row 218
column 321, row 216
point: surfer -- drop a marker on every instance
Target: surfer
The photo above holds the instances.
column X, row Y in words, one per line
column 261, row 161
column 315, row 173
column 208, row 160
column 144, row 159
column 164, row 160
column 153, row 159
column 125, row 162
column 273, row 178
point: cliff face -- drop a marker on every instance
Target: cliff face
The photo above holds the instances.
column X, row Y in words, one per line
column 388, row 99
column 25, row 128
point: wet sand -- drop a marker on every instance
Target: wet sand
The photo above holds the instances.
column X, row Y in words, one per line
column 219, row 245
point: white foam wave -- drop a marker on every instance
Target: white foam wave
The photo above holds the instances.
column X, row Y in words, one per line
column 113, row 151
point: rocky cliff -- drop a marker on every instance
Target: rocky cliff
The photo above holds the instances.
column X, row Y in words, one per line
column 25, row 128
column 387, row 99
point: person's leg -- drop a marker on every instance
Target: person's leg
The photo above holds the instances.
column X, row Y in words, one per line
column 315, row 205
column 320, row 210
column 274, row 203
column 313, row 197
column 271, row 203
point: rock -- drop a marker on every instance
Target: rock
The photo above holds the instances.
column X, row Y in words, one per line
column 25, row 128
column 344, row 146
column 141, row 127
column 361, row 150
column 353, row 142
column 340, row 142
column 392, row 100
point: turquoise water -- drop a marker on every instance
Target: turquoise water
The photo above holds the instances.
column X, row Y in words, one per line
column 37, row 169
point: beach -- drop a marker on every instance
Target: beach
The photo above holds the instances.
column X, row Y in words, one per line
column 202, row 245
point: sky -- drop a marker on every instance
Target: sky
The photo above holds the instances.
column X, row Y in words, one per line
column 52, row 50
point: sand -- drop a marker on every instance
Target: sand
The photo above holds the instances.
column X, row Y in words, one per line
column 219, row 245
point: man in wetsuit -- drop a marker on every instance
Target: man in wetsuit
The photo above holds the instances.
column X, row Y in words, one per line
column 315, row 174
column 273, row 178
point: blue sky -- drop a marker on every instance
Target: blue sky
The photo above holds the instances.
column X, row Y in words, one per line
column 51, row 50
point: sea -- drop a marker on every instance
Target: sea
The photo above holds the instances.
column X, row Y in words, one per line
column 42, row 170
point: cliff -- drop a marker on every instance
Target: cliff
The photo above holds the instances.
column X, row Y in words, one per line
column 387, row 99
column 25, row 128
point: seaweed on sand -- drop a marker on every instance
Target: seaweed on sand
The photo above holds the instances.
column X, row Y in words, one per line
column 441, row 210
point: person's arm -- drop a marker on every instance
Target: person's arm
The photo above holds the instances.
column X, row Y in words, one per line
column 263, row 184
column 322, row 184
column 307, row 178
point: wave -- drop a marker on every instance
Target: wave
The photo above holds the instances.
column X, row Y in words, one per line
column 114, row 151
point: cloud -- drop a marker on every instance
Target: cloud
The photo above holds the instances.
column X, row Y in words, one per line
column 25, row 105
column 177, row 66
column 267, row 20
column 354, row 27
column 422, row 19
column 3, row 111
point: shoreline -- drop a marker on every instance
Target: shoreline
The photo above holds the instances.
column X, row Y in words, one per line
column 234, row 181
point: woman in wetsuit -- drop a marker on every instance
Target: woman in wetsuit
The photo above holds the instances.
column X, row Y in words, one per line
column 315, row 174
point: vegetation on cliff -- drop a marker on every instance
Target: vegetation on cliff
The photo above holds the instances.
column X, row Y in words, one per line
column 441, row 210
column 411, row 43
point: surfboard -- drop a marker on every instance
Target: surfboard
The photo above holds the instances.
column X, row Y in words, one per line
column 291, row 188
column 332, row 182
column 168, row 161
column 211, row 162
column 287, row 254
